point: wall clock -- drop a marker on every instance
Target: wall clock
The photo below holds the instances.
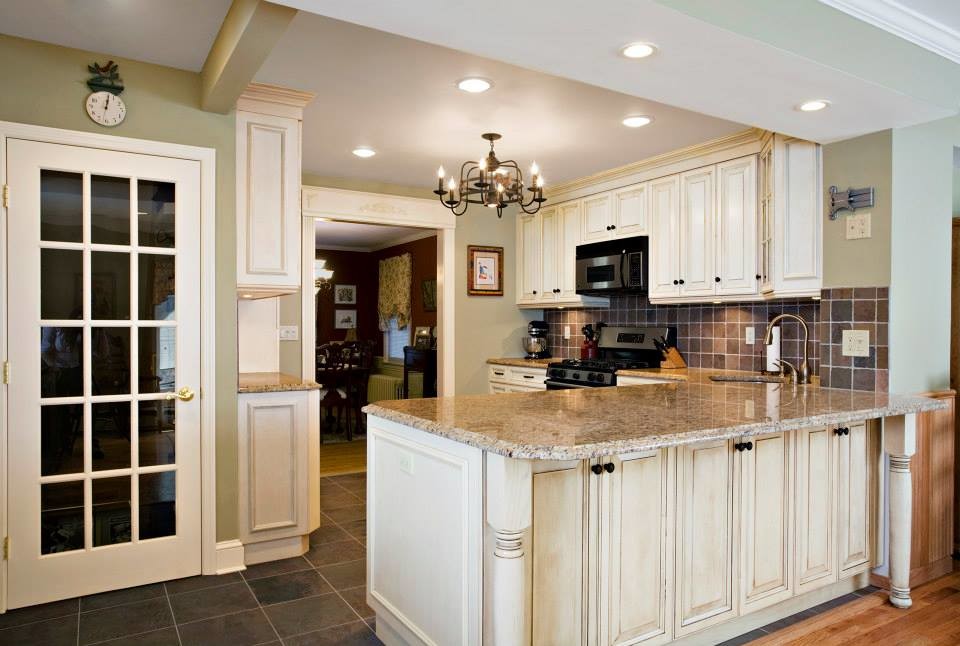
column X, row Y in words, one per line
column 104, row 104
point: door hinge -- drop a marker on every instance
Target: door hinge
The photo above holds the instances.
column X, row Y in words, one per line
column 6, row 372
column 6, row 548
column 6, row 196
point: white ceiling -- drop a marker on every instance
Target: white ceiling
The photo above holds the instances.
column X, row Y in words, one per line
column 398, row 96
column 353, row 236
column 175, row 33
column 700, row 66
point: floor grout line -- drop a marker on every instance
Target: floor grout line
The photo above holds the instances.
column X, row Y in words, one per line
column 173, row 617
column 262, row 611
column 78, row 621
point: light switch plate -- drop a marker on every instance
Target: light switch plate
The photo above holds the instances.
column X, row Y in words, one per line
column 566, row 331
column 856, row 343
column 406, row 463
column 750, row 335
column 289, row 332
column 858, row 226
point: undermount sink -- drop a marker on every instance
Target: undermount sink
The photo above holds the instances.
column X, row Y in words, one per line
column 752, row 379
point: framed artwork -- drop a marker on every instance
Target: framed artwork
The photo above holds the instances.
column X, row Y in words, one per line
column 484, row 271
column 345, row 319
column 429, row 290
column 345, row 295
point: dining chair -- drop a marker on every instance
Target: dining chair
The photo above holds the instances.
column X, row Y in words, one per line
column 333, row 362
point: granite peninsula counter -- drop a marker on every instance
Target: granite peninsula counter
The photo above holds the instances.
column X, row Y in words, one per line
column 682, row 512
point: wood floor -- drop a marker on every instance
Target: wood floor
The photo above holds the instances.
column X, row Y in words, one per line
column 934, row 620
column 343, row 457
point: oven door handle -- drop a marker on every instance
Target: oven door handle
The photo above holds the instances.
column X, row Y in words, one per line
column 563, row 385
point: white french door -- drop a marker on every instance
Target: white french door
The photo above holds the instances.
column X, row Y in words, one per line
column 104, row 349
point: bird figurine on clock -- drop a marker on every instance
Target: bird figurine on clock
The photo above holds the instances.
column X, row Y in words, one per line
column 104, row 104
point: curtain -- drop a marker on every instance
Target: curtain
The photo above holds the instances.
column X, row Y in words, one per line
column 396, row 278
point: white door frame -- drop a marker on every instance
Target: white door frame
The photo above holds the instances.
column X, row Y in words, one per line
column 207, row 159
column 378, row 208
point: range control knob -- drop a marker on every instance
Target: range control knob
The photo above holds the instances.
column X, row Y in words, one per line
column 591, row 376
column 576, row 375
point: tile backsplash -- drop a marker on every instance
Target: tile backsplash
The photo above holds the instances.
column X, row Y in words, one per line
column 713, row 336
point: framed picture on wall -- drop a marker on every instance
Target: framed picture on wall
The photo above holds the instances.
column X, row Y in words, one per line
column 345, row 319
column 345, row 295
column 429, row 290
column 484, row 271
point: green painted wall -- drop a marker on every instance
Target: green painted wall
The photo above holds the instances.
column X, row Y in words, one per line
column 923, row 173
column 858, row 163
column 46, row 85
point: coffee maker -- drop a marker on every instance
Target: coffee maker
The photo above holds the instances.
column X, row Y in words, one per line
column 535, row 343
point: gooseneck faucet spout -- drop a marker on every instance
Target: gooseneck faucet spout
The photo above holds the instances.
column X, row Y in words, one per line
column 803, row 372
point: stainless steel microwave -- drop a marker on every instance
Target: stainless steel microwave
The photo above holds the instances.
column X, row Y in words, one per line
column 614, row 266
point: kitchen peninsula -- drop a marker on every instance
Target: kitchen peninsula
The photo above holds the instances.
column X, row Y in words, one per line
column 685, row 512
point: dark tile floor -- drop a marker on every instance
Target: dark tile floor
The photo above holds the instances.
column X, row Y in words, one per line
column 318, row 599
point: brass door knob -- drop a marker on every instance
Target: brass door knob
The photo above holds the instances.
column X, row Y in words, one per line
column 184, row 395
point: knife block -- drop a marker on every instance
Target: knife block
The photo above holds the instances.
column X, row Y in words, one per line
column 672, row 359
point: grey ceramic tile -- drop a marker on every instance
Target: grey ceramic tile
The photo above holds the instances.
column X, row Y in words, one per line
column 357, row 599
column 310, row 614
column 338, row 500
column 162, row 637
column 335, row 552
column 201, row 604
column 120, row 597
column 353, row 634
column 201, row 582
column 345, row 575
column 272, row 568
column 121, row 621
column 52, row 632
column 745, row 638
column 356, row 528
column 238, row 629
column 31, row 614
column 290, row 586
column 347, row 514
column 327, row 533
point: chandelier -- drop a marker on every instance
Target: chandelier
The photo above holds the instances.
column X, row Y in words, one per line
column 492, row 183
column 322, row 275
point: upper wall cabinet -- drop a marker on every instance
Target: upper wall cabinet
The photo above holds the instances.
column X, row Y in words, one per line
column 615, row 214
column 268, row 190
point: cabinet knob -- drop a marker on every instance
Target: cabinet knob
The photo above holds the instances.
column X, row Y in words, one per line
column 681, row 281
column 597, row 469
column 613, row 227
column 716, row 279
column 749, row 446
column 740, row 446
column 609, row 467
column 534, row 291
column 758, row 276
column 676, row 282
column 842, row 430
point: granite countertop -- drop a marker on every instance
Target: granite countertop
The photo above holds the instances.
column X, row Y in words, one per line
column 272, row 382
column 594, row 422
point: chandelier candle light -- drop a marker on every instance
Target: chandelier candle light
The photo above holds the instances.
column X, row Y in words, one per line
column 492, row 183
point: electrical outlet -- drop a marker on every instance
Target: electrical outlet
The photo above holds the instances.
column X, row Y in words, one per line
column 566, row 331
column 750, row 335
column 289, row 332
column 858, row 226
column 406, row 463
column 856, row 343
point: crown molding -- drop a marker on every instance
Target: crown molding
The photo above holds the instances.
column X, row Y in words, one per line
column 628, row 173
column 893, row 17
column 274, row 99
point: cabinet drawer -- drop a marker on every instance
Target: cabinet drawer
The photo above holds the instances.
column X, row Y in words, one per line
column 530, row 377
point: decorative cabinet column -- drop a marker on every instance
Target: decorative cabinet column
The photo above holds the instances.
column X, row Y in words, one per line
column 900, row 443
column 268, row 189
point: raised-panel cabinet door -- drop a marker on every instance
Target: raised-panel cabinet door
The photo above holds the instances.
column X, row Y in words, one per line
column 816, row 564
column 737, row 226
column 797, row 199
column 765, row 224
column 528, row 254
column 597, row 218
column 630, row 211
column 549, row 255
column 696, row 233
column 636, row 521
column 664, row 237
column 766, row 475
column 857, row 459
column 558, row 540
column 705, row 536
column 569, row 215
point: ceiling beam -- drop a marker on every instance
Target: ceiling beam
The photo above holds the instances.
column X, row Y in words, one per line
column 249, row 32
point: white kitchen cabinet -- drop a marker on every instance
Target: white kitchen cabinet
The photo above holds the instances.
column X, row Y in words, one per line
column 858, row 456
column 515, row 379
column 697, row 249
column 791, row 219
column 551, row 246
column 268, row 203
column 705, row 582
column 736, row 257
column 568, row 215
column 630, row 209
column 596, row 218
column 528, row 258
column 664, row 265
column 766, row 545
column 636, row 550
column 816, row 502
column 274, row 440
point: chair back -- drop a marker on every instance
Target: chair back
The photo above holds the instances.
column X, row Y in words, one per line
column 333, row 360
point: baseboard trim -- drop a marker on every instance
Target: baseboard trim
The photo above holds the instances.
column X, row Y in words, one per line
column 279, row 548
column 230, row 557
column 918, row 575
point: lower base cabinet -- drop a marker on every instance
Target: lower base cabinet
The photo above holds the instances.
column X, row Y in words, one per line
column 650, row 547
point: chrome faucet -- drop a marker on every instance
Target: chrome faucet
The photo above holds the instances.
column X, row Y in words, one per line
column 803, row 372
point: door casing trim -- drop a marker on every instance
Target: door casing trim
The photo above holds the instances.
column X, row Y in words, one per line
column 207, row 157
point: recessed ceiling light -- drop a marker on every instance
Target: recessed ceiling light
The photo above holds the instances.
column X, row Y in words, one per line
column 814, row 105
column 637, row 121
column 364, row 152
column 638, row 50
column 474, row 84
